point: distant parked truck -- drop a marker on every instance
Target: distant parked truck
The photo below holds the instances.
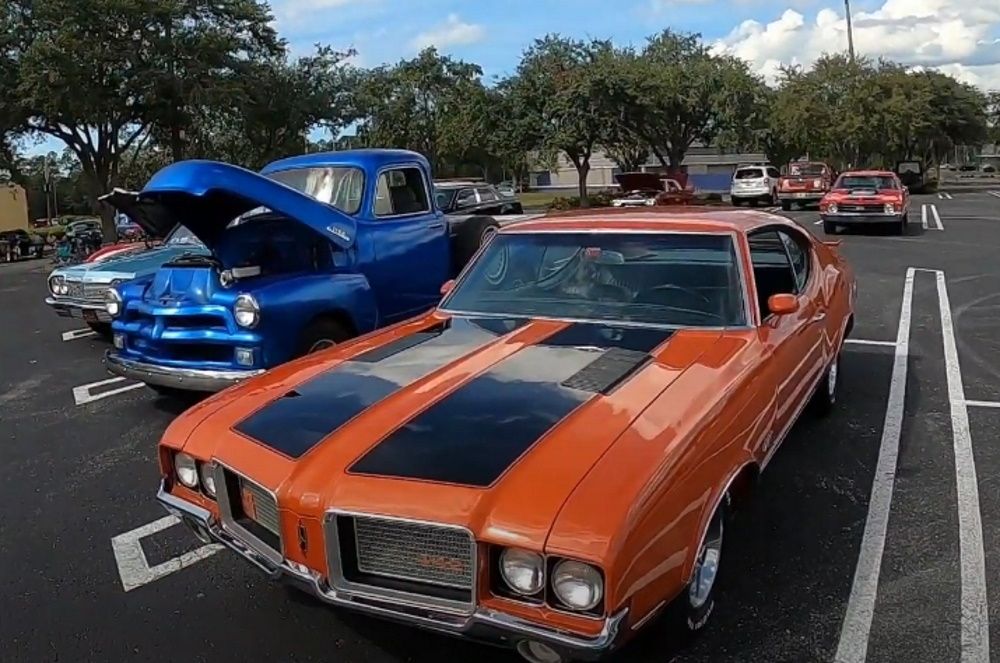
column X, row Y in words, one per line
column 310, row 252
column 805, row 183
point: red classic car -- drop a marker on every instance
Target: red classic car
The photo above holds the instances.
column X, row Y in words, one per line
column 805, row 182
column 864, row 197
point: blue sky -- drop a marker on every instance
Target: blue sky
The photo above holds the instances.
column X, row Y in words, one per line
column 960, row 37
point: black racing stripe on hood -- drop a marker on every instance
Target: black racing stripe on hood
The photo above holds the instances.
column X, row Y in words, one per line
column 297, row 421
column 474, row 434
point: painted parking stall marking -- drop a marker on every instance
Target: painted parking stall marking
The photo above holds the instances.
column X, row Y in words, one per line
column 930, row 219
column 133, row 567
column 76, row 334
column 944, row 195
column 95, row 391
column 995, row 194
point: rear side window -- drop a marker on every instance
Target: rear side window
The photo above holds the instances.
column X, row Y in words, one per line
column 465, row 198
column 401, row 191
column 773, row 172
column 749, row 174
column 486, row 195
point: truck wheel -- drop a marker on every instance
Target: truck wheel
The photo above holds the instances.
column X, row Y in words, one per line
column 469, row 236
column 786, row 205
column 322, row 334
column 829, row 228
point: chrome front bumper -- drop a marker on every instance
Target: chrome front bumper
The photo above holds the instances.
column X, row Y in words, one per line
column 79, row 308
column 190, row 379
column 846, row 218
column 483, row 625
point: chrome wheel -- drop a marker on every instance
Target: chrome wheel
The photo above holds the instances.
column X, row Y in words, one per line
column 831, row 381
column 706, row 569
column 321, row 344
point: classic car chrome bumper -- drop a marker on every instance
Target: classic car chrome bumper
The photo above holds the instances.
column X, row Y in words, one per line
column 846, row 218
column 801, row 196
column 190, row 379
column 79, row 308
column 483, row 625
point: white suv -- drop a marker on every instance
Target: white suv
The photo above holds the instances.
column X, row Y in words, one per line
column 755, row 184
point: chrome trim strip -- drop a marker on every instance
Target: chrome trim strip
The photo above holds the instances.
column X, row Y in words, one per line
column 340, row 583
column 484, row 624
column 192, row 379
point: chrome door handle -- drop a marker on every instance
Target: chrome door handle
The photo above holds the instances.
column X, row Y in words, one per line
column 436, row 224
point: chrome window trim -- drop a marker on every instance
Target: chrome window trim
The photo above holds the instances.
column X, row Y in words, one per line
column 228, row 523
column 427, row 191
column 741, row 268
column 340, row 584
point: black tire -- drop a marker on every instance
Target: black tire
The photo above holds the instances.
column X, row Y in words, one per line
column 736, row 202
column 689, row 613
column 786, row 205
column 321, row 334
column 899, row 227
column 102, row 329
column 774, row 199
column 173, row 393
column 753, row 202
column 829, row 228
column 469, row 236
column 825, row 396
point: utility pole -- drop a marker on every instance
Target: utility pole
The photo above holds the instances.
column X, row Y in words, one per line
column 850, row 30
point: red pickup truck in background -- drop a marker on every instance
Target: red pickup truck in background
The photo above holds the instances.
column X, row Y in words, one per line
column 805, row 183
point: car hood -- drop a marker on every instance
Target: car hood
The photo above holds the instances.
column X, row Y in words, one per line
column 131, row 262
column 484, row 423
column 207, row 195
column 639, row 181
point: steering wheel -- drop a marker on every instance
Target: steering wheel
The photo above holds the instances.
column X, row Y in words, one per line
column 651, row 295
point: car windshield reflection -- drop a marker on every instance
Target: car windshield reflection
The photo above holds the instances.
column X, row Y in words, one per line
column 651, row 279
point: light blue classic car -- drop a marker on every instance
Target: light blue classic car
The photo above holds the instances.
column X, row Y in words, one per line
column 308, row 253
column 79, row 291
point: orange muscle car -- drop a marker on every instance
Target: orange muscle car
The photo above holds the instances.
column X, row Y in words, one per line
column 545, row 461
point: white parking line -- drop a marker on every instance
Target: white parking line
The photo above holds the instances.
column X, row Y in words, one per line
column 865, row 341
column 948, row 196
column 975, row 614
column 853, row 645
column 944, row 195
column 74, row 334
column 83, row 394
column 817, row 222
column 923, row 216
column 937, row 218
column 993, row 404
column 995, row 194
column 933, row 213
column 134, row 568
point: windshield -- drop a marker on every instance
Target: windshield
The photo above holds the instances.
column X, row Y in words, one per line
column 341, row 187
column 658, row 279
column 749, row 173
column 806, row 169
column 181, row 236
column 866, row 182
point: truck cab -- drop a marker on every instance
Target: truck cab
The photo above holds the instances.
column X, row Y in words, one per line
column 310, row 252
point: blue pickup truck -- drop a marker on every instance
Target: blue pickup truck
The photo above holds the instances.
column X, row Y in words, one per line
column 311, row 251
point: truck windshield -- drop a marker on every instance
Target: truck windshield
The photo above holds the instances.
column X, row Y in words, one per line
column 341, row 187
column 806, row 169
column 658, row 279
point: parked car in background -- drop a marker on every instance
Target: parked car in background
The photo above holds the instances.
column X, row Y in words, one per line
column 20, row 244
column 309, row 253
column 83, row 226
column 805, row 183
column 549, row 459
column 649, row 189
column 466, row 197
column 912, row 175
column 866, row 197
column 507, row 189
column 755, row 184
column 79, row 291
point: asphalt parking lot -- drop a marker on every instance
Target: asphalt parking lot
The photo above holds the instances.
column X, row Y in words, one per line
column 874, row 534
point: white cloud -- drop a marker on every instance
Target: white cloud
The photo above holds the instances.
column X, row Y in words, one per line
column 955, row 36
column 453, row 32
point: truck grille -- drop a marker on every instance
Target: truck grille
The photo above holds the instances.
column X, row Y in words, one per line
column 401, row 560
column 258, row 505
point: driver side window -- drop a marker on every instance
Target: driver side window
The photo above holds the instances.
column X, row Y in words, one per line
column 772, row 270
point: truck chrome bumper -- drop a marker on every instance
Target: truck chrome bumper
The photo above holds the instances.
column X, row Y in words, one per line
column 189, row 379
column 76, row 308
column 483, row 625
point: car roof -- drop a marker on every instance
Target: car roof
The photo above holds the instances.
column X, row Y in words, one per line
column 663, row 219
column 366, row 159
column 868, row 173
column 457, row 185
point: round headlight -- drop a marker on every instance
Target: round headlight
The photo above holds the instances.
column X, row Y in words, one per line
column 207, row 473
column 890, row 208
column 186, row 469
column 246, row 311
column 112, row 302
column 577, row 585
column 832, row 209
column 522, row 570
column 55, row 285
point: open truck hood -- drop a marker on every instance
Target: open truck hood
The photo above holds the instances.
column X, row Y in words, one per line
column 207, row 195
column 639, row 181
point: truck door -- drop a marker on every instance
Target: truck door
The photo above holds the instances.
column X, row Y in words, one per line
column 410, row 241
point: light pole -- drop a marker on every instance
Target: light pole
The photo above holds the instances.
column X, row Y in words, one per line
column 850, row 30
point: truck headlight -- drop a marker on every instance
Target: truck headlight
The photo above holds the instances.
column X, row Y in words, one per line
column 890, row 208
column 832, row 208
column 650, row 201
column 818, row 184
column 186, row 469
column 523, row 571
column 112, row 302
column 246, row 310
column 578, row 586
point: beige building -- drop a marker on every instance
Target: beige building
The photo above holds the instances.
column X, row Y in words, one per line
column 13, row 207
column 700, row 160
